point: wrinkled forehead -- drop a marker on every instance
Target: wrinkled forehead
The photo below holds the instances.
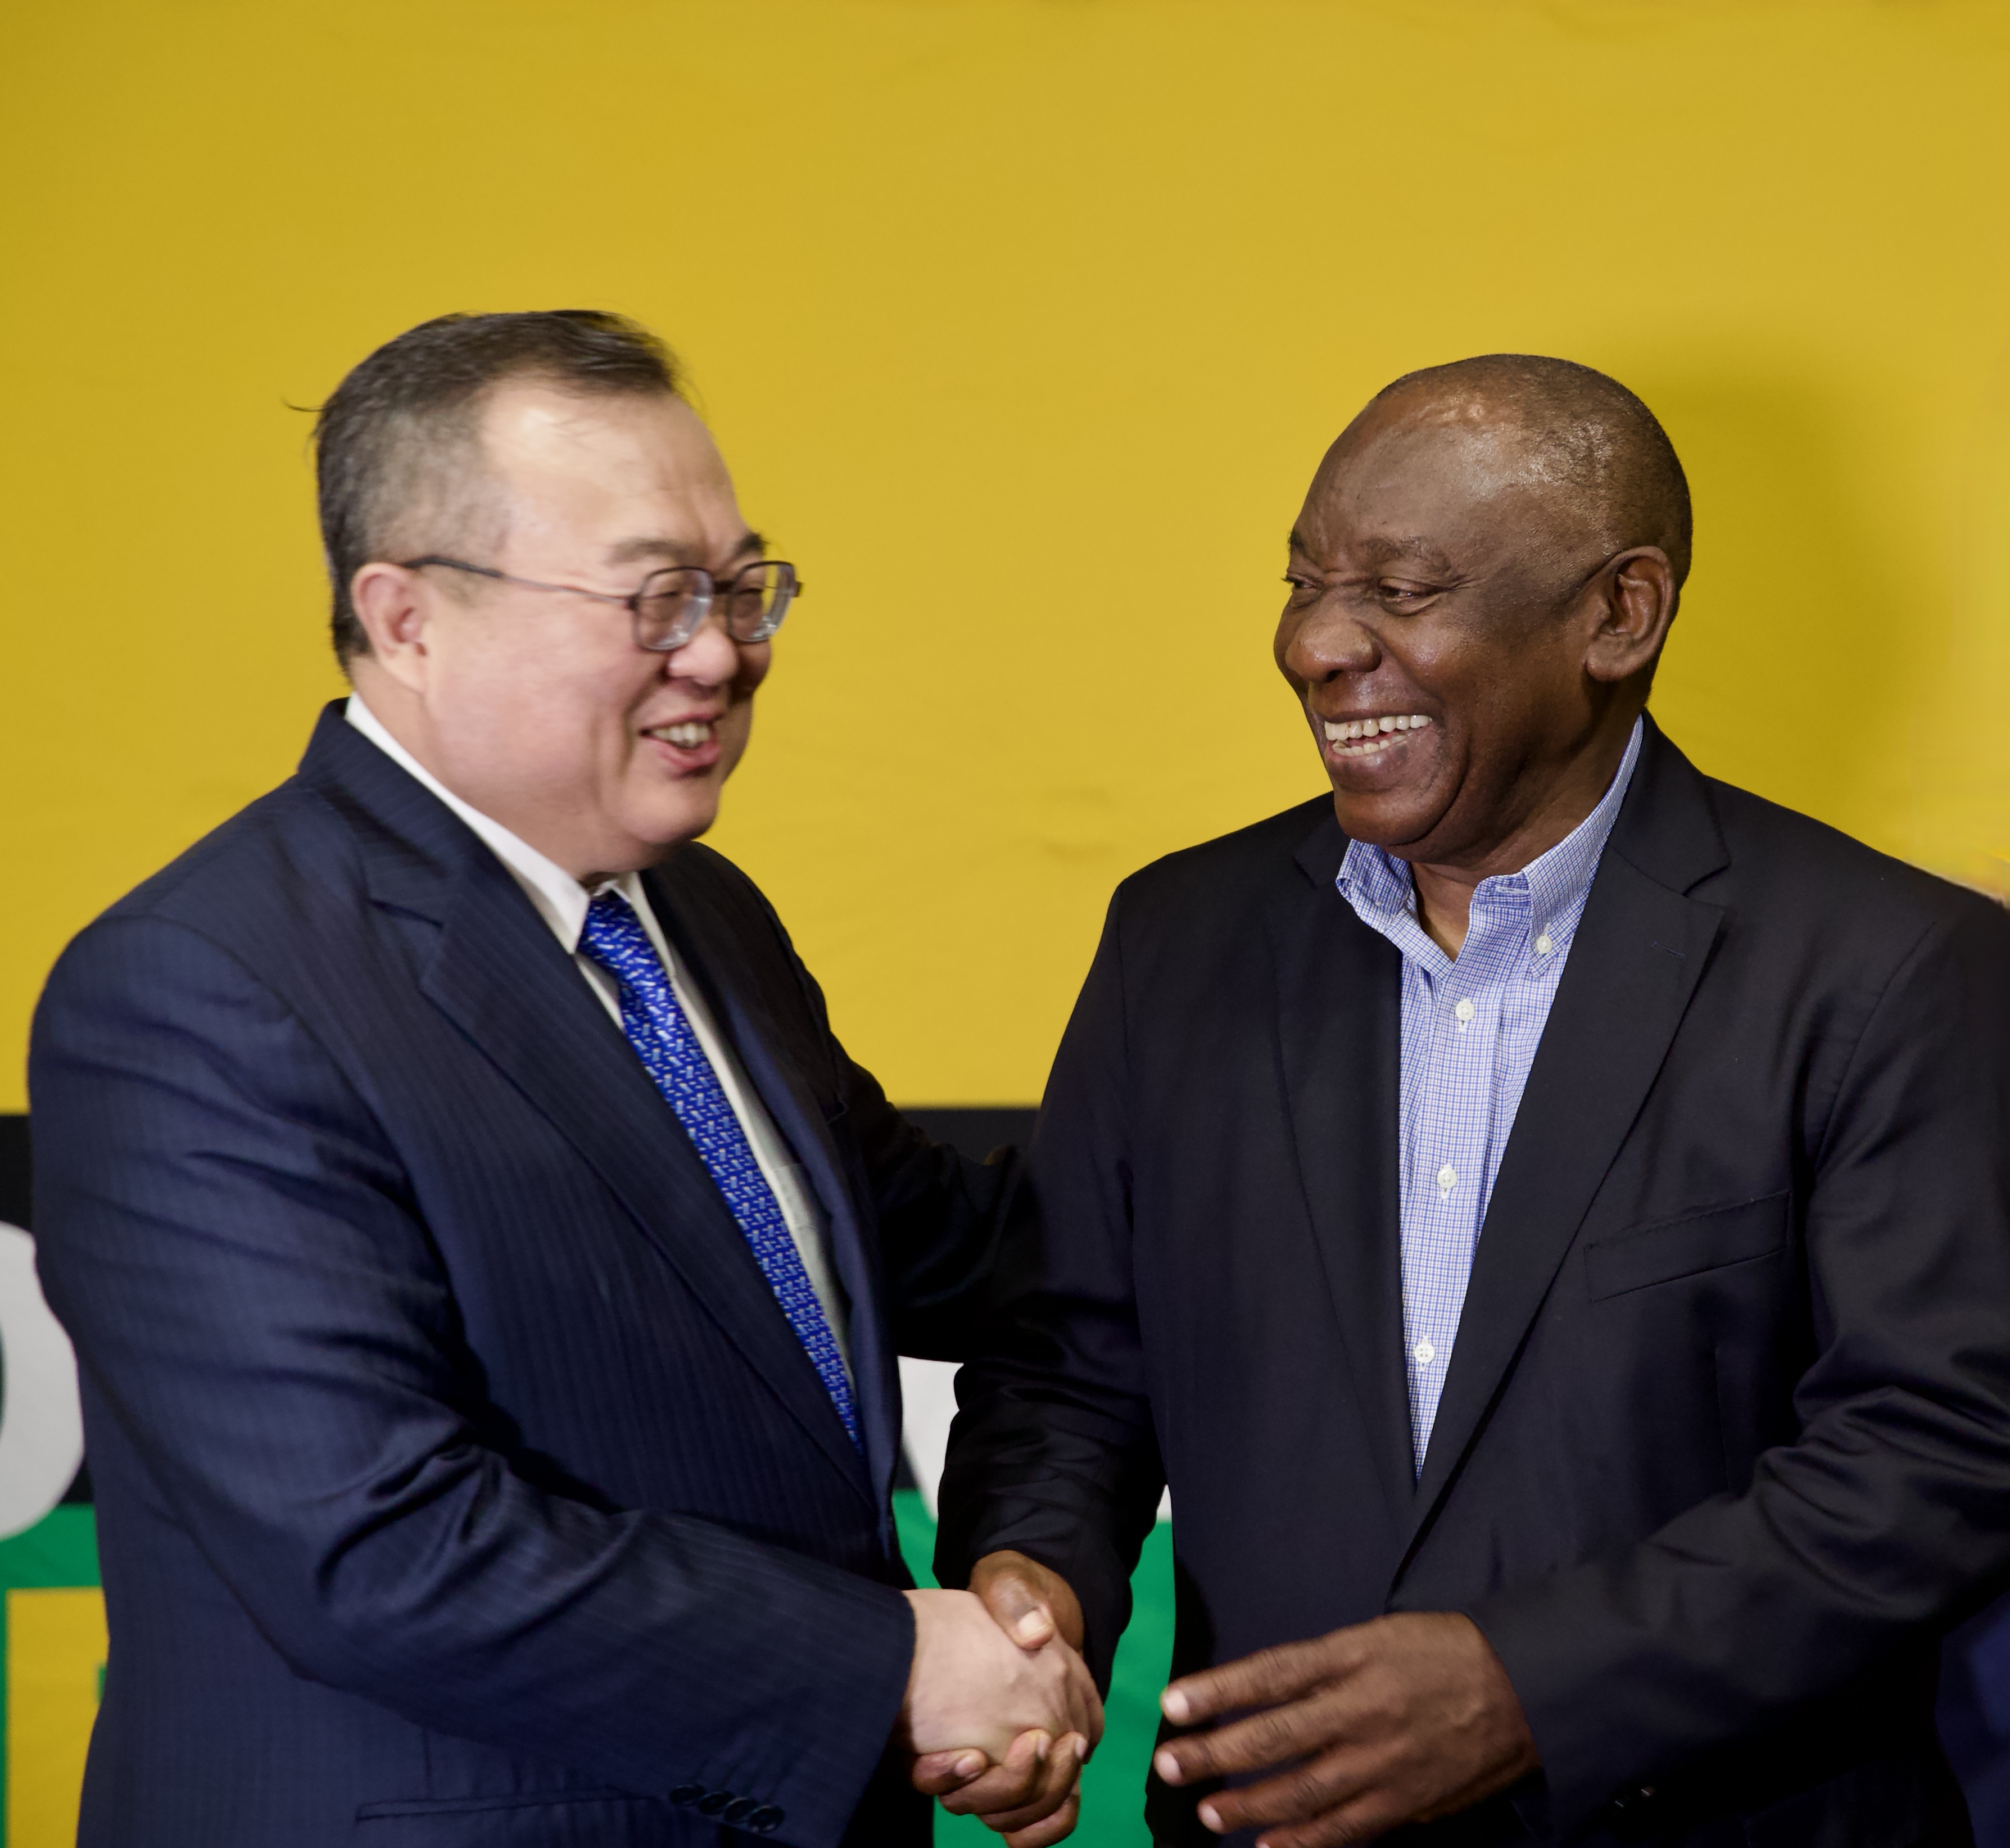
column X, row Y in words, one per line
column 1449, row 471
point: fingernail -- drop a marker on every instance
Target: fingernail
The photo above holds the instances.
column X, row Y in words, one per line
column 1030, row 1625
column 1041, row 1746
column 1212, row 1816
column 970, row 1763
column 1175, row 1706
column 1167, row 1766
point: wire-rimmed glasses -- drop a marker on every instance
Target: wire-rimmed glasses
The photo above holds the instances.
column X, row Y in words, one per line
column 671, row 606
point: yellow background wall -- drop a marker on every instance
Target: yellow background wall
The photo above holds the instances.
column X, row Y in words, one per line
column 1023, row 323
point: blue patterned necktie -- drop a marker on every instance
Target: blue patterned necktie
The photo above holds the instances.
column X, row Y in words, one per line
column 660, row 1032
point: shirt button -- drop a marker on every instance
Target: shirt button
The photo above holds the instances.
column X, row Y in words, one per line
column 1424, row 1353
column 1543, row 946
column 1448, row 1177
column 1465, row 1010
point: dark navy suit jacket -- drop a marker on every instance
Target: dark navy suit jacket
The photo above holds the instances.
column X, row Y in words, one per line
column 459, row 1479
column 1725, row 1440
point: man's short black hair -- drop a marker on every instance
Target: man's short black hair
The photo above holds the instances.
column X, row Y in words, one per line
column 395, row 446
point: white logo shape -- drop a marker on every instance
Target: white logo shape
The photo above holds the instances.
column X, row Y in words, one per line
column 41, row 1425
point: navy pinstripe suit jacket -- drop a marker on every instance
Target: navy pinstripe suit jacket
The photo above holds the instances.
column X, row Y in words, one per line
column 459, row 1479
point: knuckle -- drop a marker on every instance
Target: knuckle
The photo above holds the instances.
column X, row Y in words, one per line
column 1274, row 1732
column 1307, row 1791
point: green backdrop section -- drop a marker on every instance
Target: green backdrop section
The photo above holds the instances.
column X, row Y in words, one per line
column 61, row 1552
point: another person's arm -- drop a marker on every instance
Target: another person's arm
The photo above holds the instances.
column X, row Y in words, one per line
column 1053, row 1456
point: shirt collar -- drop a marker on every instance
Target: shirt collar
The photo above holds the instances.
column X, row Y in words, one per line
column 560, row 900
column 1378, row 886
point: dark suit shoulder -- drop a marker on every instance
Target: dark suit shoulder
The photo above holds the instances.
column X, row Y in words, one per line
column 235, row 878
column 696, row 867
column 1230, row 868
column 1789, row 865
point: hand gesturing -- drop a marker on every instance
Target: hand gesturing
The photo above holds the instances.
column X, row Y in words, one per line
column 1405, row 1719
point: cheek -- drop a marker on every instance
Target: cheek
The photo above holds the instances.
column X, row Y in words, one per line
column 754, row 662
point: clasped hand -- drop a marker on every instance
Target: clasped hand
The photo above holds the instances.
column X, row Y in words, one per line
column 1000, row 1712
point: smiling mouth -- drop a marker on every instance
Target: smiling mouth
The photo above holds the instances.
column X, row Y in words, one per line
column 1370, row 737
column 689, row 735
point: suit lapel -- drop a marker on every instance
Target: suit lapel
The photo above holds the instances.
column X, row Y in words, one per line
column 1640, row 950
column 1339, row 1001
column 708, row 942
column 497, row 973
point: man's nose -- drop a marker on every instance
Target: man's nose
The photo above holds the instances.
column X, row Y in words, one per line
column 1329, row 640
column 711, row 657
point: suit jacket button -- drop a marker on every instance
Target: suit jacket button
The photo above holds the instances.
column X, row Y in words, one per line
column 713, row 1801
column 767, row 1819
column 1633, row 1810
column 738, row 1810
column 687, row 1793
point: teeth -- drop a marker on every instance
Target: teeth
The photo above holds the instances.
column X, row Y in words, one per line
column 690, row 736
column 1369, row 737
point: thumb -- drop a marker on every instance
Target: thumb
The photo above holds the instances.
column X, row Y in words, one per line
column 1018, row 1607
column 936, row 1774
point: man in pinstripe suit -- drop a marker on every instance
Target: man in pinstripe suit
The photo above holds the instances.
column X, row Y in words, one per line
column 485, row 1266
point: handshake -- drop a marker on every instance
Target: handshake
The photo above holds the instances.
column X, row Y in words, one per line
column 1404, row 1718
column 1000, row 1712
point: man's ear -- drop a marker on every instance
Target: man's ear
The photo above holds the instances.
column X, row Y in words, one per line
column 1636, row 597
column 393, row 605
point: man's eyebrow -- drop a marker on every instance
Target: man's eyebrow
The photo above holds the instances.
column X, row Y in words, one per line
column 1383, row 550
column 678, row 552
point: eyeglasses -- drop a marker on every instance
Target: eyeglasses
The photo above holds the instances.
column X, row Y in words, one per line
column 672, row 605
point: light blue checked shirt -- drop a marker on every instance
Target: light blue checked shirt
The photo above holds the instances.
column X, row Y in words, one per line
column 1470, row 1031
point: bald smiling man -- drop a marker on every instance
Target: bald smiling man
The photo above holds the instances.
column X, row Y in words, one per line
column 1545, row 1212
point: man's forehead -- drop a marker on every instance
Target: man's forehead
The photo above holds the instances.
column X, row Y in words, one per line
column 666, row 549
column 1409, row 486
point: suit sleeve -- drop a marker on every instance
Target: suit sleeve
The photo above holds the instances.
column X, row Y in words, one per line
column 959, row 1238
column 1886, row 1519
column 1053, row 1453
column 230, row 1239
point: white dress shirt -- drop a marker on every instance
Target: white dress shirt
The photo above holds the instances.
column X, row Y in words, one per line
column 562, row 903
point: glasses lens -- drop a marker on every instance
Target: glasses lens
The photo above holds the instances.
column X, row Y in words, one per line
column 671, row 606
column 755, row 600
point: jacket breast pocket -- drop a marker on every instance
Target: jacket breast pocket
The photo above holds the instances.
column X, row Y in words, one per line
column 1670, row 1249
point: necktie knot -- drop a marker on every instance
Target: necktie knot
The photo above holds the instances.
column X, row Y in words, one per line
column 613, row 936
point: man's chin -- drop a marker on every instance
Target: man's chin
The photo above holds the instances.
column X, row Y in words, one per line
column 667, row 825
column 643, row 824
column 1391, row 822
